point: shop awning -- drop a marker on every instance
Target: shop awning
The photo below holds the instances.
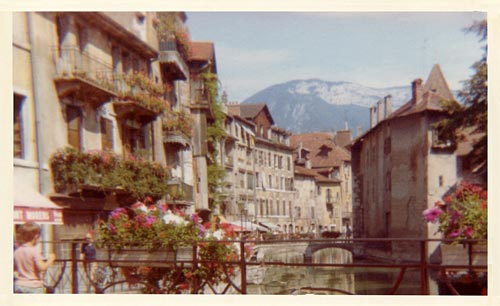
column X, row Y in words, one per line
column 270, row 226
column 30, row 205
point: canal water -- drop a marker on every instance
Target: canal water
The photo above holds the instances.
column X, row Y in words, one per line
column 327, row 280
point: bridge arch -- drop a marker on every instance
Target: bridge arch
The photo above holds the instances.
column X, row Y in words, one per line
column 313, row 247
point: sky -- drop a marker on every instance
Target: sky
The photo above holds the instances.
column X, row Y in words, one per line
column 255, row 50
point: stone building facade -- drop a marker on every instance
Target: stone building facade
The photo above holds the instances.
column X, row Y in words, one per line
column 72, row 89
column 332, row 165
column 401, row 168
column 272, row 165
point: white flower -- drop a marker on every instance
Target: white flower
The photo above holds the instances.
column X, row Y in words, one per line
column 171, row 218
column 218, row 234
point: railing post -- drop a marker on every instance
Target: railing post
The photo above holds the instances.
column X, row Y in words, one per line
column 424, row 281
column 469, row 246
column 243, row 268
column 74, row 267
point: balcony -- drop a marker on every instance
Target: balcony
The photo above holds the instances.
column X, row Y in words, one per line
column 138, row 97
column 179, row 192
column 177, row 128
column 172, row 63
column 80, row 75
column 228, row 161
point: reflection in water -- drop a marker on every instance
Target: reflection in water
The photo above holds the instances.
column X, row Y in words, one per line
column 326, row 280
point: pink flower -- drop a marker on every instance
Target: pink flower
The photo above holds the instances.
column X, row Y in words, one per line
column 115, row 214
column 455, row 234
column 468, row 231
column 162, row 207
column 432, row 214
column 455, row 216
column 195, row 218
column 112, row 228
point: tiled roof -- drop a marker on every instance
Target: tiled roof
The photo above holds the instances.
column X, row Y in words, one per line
column 435, row 90
column 343, row 138
column 249, row 111
column 202, row 51
column 314, row 141
column 313, row 173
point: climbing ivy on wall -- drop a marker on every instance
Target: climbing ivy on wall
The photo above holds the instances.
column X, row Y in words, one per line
column 215, row 134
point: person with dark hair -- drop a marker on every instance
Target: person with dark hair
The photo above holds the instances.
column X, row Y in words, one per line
column 29, row 263
column 88, row 254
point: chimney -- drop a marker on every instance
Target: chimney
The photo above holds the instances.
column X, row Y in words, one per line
column 380, row 111
column 416, row 90
column 387, row 106
column 373, row 116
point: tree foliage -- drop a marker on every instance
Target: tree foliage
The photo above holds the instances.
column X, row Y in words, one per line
column 472, row 115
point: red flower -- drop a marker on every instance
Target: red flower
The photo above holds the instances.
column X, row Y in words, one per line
column 448, row 199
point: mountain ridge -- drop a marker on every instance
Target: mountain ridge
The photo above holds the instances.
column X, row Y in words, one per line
column 312, row 105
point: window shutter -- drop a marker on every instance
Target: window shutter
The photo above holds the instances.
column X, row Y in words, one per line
column 106, row 134
column 18, row 139
column 74, row 126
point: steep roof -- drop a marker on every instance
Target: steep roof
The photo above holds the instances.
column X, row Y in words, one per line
column 314, row 142
column 313, row 173
column 249, row 111
column 434, row 91
column 343, row 138
column 203, row 51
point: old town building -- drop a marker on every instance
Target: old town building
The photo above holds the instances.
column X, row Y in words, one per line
column 95, row 87
column 332, row 165
column 274, row 174
column 401, row 168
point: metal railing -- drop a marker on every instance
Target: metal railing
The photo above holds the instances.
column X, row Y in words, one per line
column 71, row 62
column 70, row 274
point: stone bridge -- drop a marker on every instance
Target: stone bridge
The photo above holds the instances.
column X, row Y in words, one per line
column 306, row 248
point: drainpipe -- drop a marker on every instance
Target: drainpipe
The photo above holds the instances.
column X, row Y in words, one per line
column 36, row 96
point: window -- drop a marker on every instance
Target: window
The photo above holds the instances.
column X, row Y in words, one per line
column 284, row 208
column 134, row 139
column 270, row 181
column 18, row 126
column 257, row 180
column 242, row 180
column 250, row 181
column 278, row 208
column 269, row 159
column 74, row 126
column 441, row 181
column 329, row 198
column 288, row 163
column 440, row 142
column 261, row 207
column 106, row 134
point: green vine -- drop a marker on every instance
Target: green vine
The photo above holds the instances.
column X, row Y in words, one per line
column 215, row 133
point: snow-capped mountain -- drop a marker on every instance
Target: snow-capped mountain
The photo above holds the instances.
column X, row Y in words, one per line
column 342, row 93
column 316, row 105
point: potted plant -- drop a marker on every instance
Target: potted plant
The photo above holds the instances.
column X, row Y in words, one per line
column 151, row 232
column 462, row 218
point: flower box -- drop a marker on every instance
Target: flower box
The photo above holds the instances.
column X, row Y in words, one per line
column 134, row 257
column 458, row 255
